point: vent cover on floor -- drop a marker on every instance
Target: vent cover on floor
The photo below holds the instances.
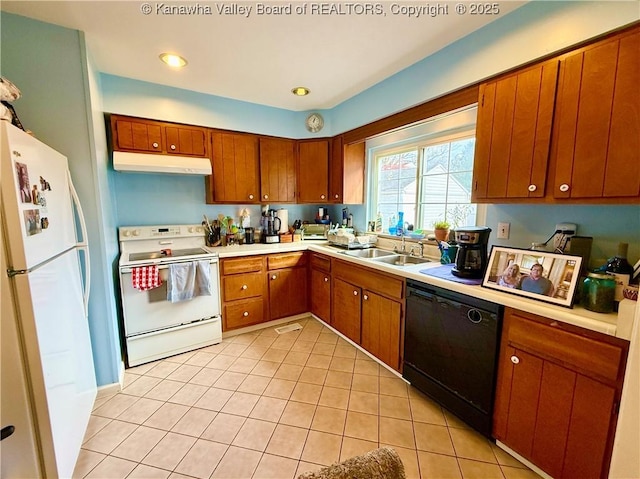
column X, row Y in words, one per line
column 288, row 328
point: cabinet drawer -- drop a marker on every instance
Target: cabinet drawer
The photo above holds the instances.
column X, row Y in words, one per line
column 287, row 260
column 242, row 265
column 321, row 262
column 589, row 356
column 243, row 313
column 242, row 286
column 366, row 278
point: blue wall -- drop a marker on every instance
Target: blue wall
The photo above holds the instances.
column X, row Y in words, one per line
column 49, row 65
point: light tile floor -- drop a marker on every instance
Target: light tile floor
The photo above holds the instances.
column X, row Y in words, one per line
column 263, row 405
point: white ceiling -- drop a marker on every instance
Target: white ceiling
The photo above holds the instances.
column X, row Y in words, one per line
column 258, row 58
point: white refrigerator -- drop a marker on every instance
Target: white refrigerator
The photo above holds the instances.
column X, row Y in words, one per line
column 48, row 383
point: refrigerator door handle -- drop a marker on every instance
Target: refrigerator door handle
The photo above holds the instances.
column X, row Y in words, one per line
column 82, row 245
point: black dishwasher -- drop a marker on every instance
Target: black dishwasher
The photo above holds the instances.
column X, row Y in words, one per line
column 451, row 350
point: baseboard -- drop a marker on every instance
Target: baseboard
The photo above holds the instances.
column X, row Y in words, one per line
column 357, row 346
column 524, row 461
column 258, row 327
column 113, row 388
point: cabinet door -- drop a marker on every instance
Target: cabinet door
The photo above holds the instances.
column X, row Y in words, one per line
column 287, row 292
column 598, row 120
column 277, row 170
column 321, row 294
column 346, row 172
column 556, row 395
column 381, row 323
column 313, row 171
column 513, row 134
column 137, row 135
column 345, row 316
column 186, row 141
column 235, row 177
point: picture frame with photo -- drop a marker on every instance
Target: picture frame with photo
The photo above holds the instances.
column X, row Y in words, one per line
column 539, row 275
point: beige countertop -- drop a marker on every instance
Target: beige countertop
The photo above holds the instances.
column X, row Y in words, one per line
column 612, row 324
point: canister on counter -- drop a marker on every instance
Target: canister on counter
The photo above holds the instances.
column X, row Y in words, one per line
column 598, row 292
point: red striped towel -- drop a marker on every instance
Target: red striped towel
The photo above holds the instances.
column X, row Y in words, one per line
column 144, row 278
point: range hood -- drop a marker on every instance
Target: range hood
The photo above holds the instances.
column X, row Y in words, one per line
column 149, row 163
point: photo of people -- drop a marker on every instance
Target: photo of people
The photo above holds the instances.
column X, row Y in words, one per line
column 23, row 180
column 539, row 275
column 536, row 283
column 32, row 222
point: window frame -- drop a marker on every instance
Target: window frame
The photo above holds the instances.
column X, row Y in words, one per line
column 445, row 128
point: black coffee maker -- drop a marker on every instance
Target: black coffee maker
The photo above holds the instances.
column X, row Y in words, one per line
column 471, row 260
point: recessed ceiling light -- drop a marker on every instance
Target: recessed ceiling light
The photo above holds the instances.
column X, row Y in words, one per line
column 173, row 60
column 300, row 91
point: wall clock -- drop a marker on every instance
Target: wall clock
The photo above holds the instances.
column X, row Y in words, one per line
column 314, row 122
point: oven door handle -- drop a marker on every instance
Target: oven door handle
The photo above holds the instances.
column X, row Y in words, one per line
column 161, row 266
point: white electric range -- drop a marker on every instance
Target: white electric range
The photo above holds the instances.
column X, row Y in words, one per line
column 155, row 327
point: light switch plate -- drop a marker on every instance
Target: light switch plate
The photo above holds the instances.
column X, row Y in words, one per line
column 567, row 230
column 503, row 230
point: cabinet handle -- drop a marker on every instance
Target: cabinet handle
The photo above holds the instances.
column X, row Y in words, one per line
column 245, row 314
column 337, row 196
column 564, row 187
column 250, row 197
column 173, row 147
column 355, row 293
column 532, row 188
column 515, row 359
column 322, row 197
column 155, row 145
column 244, row 286
column 266, row 197
column 326, row 279
column 274, row 277
column 366, row 297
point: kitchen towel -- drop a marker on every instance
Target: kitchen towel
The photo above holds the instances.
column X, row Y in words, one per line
column 203, row 278
column 187, row 280
column 181, row 282
column 144, row 278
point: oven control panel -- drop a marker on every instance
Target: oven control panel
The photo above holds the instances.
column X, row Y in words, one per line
column 154, row 232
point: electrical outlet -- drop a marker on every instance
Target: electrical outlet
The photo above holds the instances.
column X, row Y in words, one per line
column 565, row 232
column 503, row 230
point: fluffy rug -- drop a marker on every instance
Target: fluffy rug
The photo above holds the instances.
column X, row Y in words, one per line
column 383, row 463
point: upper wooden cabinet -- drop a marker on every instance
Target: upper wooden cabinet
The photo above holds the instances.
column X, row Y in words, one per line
column 597, row 131
column 313, row 171
column 346, row 172
column 589, row 101
column 236, row 174
column 513, row 134
column 150, row 136
column 277, row 170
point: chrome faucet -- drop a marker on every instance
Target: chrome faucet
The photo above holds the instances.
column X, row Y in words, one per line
column 402, row 248
column 420, row 245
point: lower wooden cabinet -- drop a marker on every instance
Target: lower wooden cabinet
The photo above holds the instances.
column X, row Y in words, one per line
column 243, row 292
column 287, row 279
column 368, row 308
column 557, row 394
column 320, row 286
column 381, row 328
column 346, row 309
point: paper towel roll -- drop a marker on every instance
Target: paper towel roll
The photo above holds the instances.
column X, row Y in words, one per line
column 284, row 220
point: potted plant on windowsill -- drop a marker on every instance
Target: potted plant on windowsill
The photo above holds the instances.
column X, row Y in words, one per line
column 441, row 230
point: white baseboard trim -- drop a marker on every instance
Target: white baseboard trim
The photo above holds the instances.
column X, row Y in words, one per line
column 357, row 346
column 257, row 327
column 113, row 388
column 524, row 461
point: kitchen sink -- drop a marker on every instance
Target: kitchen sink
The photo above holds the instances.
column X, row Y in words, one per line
column 401, row 260
column 369, row 253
